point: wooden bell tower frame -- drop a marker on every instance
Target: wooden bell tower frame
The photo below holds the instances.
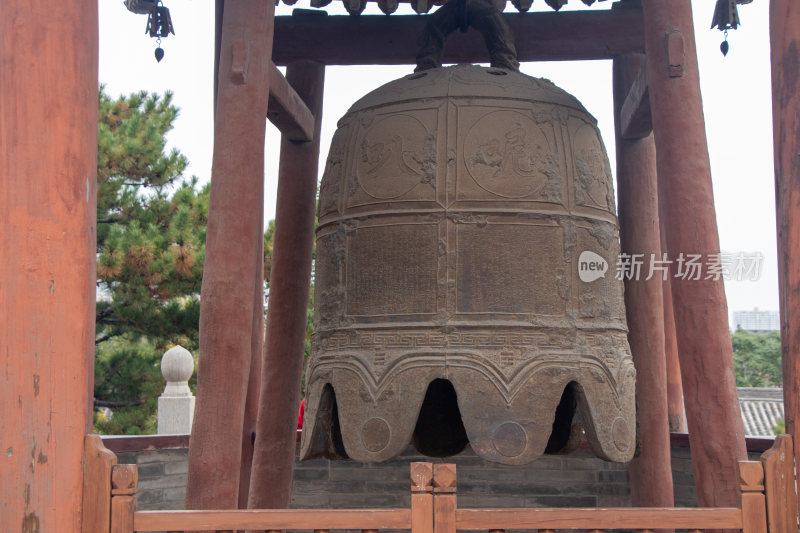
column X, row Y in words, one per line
column 48, row 88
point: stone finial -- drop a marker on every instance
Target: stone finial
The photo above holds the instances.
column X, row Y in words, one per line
column 176, row 403
column 177, row 367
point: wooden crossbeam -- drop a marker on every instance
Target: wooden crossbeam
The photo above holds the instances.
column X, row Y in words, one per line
column 634, row 116
column 286, row 110
column 382, row 40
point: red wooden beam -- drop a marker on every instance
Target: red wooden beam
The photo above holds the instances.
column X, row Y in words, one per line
column 634, row 115
column 286, row 109
column 381, row 40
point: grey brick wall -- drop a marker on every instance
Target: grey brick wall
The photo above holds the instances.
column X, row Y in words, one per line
column 162, row 477
column 576, row 480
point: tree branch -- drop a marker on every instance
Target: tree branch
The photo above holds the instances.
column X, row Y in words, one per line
column 103, row 338
column 104, row 403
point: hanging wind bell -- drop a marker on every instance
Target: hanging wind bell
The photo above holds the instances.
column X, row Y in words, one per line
column 159, row 24
column 726, row 17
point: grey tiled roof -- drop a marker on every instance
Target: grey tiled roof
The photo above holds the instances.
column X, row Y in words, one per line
column 761, row 409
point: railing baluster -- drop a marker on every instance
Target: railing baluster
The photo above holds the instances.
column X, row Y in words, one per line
column 444, row 499
column 421, row 498
column 124, row 479
column 754, row 511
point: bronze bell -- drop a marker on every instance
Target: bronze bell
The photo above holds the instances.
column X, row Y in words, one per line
column 465, row 287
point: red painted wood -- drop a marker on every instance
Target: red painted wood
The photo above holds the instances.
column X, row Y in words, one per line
column 253, row 380
column 650, row 471
column 716, row 431
column 276, row 429
column 48, row 165
column 785, row 43
column 232, row 266
column 677, row 419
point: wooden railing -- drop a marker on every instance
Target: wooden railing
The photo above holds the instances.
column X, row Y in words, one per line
column 768, row 505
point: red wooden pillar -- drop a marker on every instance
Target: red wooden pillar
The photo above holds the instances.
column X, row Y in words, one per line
column 48, row 167
column 233, row 264
column 716, row 433
column 273, row 461
column 785, row 44
column 650, row 472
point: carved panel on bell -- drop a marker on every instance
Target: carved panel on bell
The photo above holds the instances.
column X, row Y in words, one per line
column 509, row 269
column 395, row 158
column 330, row 187
column 505, row 154
column 391, row 270
column 599, row 293
column 593, row 185
column 328, row 286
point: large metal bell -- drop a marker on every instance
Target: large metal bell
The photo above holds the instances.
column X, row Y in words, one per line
column 465, row 287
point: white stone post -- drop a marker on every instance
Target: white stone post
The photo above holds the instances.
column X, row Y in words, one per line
column 176, row 403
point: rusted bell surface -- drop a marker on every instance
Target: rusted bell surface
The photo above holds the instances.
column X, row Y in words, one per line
column 455, row 208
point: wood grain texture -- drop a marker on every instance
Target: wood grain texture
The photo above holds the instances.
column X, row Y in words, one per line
column 444, row 513
column 779, row 484
column 276, row 519
column 622, row 518
column 785, row 58
column 393, row 40
column 48, row 185
column 98, row 461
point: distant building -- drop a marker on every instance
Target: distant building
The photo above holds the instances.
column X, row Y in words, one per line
column 756, row 321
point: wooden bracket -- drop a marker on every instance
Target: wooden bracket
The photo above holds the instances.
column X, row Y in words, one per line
column 676, row 54
column 634, row 115
column 286, row 110
column 240, row 61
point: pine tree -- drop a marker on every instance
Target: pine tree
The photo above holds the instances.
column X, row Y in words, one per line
column 150, row 249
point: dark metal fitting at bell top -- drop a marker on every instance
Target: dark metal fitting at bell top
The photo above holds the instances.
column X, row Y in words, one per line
column 726, row 15
column 159, row 22
column 455, row 209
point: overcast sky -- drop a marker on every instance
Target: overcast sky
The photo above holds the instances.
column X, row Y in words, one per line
column 736, row 96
